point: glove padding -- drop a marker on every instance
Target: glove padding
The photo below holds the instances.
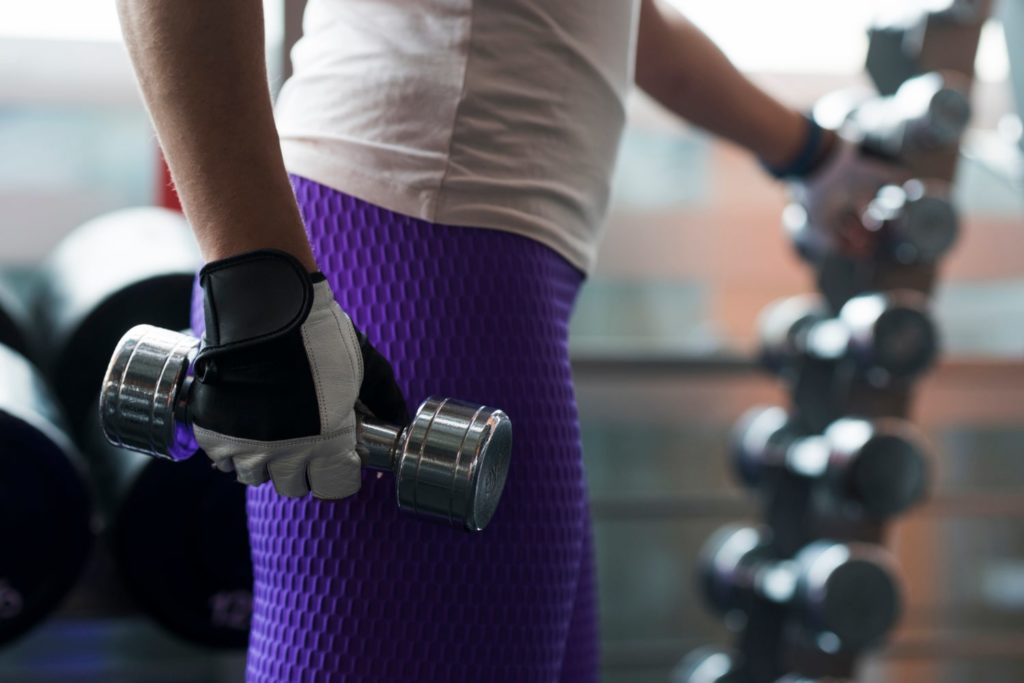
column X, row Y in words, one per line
column 279, row 374
column 835, row 196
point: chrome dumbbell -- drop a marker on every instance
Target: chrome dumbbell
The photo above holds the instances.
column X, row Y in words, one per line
column 844, row 596
column 877, row 466
column 450, row 463
column 889, row 336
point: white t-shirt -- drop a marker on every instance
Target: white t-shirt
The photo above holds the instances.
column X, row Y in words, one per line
column 501, row 114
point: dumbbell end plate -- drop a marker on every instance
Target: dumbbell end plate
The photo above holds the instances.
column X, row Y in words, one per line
column 454, row 461
column 494, row 449
column 139, row 390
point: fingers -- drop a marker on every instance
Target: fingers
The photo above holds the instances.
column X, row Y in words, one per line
column 251, row 470
column 335, row 476
column 289, row 476
column 379, row 391
column 330, row 468
column 224, row 465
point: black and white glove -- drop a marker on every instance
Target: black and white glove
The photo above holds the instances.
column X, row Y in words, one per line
column 279, row 372
column 829, row 203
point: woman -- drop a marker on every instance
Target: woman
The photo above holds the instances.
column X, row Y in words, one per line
column 449, row 167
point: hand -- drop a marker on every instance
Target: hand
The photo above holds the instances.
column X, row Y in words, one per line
column 828, row 205
column 278, row 376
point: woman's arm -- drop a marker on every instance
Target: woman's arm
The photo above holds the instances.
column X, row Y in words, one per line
column 201, row 68
column 682, row 69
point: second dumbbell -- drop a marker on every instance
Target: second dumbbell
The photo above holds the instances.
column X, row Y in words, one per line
column 844, row 596
column 450, row 463
column 889, row 336
column 877, row 467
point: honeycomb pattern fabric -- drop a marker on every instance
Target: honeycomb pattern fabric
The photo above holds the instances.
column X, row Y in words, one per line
column 354, row 590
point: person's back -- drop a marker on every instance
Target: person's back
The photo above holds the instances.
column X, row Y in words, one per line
column 499, row 114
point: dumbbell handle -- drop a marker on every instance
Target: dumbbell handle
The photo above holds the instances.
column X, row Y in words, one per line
column 377, row 443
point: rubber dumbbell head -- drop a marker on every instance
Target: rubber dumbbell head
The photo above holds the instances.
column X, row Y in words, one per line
column 449, row 463
column 917, row 222
column 844, row 596
column 782, row 327
column 121, row 269
column 928, row 112
column 878, row 466
column 889, row 336
column 177, row 535
column 46, row 519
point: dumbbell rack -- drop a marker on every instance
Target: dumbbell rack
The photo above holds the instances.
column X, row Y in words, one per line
column 766, row 651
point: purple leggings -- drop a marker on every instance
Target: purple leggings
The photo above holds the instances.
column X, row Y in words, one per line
column 355, row 591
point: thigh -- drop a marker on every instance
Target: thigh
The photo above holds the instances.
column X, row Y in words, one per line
column 580, row 661
column 355, row 591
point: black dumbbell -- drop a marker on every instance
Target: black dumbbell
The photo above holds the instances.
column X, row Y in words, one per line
column 877, row 466
column 46, row 520
column 843, row 596
column 916, row 222
column 177, row 533
column 889, row 337
column 121, row 269
column 450, row 463
column 927, row 113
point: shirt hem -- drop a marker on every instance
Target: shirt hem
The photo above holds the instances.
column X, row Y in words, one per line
column 426, row 205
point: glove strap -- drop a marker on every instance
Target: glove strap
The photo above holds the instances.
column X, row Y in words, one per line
column 805, row 161
column 252, row 298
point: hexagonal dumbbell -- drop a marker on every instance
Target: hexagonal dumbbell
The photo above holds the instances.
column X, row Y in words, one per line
column 843, row 596
column 46, row 507
column 877, row 467
column 915, row 222
column 928, row 112
column 890, row 337
column 450, row 463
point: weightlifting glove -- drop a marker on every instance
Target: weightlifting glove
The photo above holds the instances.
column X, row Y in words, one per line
column 278, row 376
column 835, row 195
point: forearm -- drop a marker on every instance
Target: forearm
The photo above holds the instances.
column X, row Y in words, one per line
column 682, row 69
column 201, row 68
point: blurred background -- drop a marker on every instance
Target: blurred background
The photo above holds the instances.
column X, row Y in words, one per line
column 664, row 339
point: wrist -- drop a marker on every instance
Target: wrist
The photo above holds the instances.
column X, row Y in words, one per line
column 261, row 240
column 252, row 298
column 816, row 146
